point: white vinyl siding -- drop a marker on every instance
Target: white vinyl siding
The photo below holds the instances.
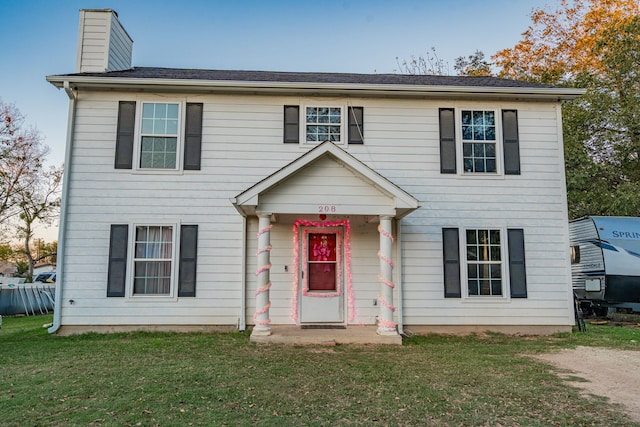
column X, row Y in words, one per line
column 242, row 144
column 120, row 48
column 104, row 44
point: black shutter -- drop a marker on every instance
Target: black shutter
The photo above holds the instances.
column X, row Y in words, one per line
column 511, row 142
column 356, row 125
column 517, row 270
column 117, row 276
column 291, row 124
column 188, row 260
column 447, row 141
column 124, row 134
column 193, row 136
column 451, row 253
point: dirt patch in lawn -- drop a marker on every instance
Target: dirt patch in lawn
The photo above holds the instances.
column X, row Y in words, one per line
column 614, row 374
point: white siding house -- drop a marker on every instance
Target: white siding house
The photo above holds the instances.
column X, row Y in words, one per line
column 232, row 199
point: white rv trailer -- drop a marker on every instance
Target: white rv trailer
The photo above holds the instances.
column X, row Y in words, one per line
column 605, row 262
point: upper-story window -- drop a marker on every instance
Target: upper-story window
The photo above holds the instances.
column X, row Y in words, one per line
column 159, row 135
column 479, row 141
column 323, row 124
column 156, row 137
column 315, row 124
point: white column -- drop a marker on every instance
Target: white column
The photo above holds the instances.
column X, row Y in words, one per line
column 386, row 325
column 261, row 317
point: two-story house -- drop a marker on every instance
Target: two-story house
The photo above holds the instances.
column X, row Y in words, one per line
column 199, row 199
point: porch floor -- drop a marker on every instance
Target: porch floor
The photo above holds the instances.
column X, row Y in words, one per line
column 294, row 335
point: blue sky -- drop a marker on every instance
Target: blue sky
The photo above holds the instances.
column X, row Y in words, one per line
column 362, row 36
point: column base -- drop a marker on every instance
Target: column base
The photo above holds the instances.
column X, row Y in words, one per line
column 263, row 331
column 387, row 331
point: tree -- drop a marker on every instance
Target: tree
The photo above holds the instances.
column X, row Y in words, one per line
column 46, row 252
column 6, row 252
column 591, row 44
column 429, row 64
column 473, row 65
column 38, row 203
column 29, row 193
column 21, row 159
column 561, row 43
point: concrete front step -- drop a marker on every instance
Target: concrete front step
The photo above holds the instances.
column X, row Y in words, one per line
column 295, row 335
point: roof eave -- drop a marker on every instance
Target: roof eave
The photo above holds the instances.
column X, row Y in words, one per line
column 123, row 83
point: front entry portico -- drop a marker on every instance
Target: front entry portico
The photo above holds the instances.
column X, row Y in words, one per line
column 327, row 179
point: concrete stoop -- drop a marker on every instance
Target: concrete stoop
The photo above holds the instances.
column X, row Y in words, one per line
column 295, row 335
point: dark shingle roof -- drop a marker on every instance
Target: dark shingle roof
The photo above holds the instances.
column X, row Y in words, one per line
column 308, row 77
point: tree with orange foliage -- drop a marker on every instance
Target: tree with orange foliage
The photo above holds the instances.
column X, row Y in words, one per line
column 561, row 43
column 591, row 44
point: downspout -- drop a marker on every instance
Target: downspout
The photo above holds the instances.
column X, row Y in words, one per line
column 62, row 230
column 242, row 324
column 400, row 276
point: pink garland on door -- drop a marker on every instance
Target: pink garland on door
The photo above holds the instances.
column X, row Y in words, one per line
column 347, row 261
column 266, row 287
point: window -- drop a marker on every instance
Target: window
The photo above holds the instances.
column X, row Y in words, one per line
column 322, row 262
column 480, row 253
column 152, row 136
column 484, row 262
column 153, row 260
column 574, row 251
column 145, row 261
column 159, row 136
column 323, row 124
column 314, row 125
column 479, row 141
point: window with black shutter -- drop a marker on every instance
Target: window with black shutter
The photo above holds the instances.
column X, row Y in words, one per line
column 125, row 134
column 447, row 140
column 292, row 124
column 511, row 142
column 356, row 125
column 451, row 257
column 117, row 274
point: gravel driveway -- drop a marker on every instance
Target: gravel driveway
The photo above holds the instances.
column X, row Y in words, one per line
column 610, row 373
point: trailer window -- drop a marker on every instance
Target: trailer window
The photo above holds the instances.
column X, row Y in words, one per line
column 575, row 254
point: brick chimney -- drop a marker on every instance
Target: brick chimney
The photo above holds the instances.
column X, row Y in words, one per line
column 103, row 43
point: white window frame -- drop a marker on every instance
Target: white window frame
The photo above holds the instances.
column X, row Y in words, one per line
column 131, row 260
column 303, row 121
column 504, row 263
column 179, row 137
column 460, row 141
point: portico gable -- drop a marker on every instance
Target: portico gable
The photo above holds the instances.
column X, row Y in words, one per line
column 326, row 180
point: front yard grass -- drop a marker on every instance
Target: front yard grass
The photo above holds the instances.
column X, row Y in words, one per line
column 171, row 379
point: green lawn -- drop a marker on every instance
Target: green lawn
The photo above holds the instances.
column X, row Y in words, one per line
column 167, row 379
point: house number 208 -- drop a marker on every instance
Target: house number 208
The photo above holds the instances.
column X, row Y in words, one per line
column 326, row 208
